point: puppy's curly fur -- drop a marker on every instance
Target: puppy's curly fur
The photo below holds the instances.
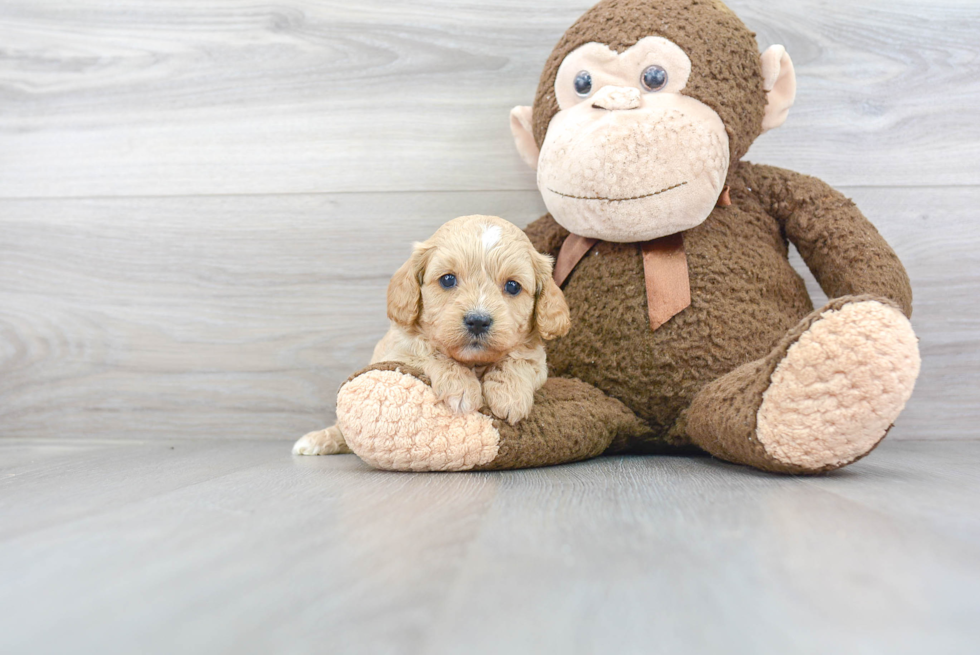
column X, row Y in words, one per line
column 471, row 307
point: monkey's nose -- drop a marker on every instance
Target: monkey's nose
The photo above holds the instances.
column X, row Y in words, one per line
column 477, row 324
column 614, row 98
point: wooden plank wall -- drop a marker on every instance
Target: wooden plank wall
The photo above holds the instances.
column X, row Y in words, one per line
column 201, row 200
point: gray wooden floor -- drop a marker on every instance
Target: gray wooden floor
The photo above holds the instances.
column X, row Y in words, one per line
column 200, row 546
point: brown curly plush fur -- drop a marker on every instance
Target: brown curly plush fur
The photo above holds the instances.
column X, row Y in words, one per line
column 590, row 422
column 745, row 296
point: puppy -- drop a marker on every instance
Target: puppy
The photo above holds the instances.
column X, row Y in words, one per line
column 471, row 308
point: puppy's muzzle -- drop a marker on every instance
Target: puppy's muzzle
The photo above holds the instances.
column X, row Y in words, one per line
column 477, row 323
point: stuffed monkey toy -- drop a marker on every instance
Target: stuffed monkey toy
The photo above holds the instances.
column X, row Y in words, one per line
column 689, row 328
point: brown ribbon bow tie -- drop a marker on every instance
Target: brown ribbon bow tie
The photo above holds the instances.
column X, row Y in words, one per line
column 668, row 283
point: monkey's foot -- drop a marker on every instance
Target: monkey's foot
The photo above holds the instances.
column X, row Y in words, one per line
column 392, row 420
column 840, row 387
column 825, row 397
column 322, row 442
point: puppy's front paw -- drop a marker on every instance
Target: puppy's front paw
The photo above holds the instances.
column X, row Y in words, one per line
column 507, row 397
column 461, row 394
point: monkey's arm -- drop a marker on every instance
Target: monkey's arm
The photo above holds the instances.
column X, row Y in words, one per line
column 840, row 246
column 546, row 235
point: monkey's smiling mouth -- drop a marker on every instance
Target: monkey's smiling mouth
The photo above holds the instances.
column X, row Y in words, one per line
column 646, row 195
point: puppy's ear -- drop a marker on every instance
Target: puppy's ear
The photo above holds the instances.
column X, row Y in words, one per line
column 405, row 288
column 550, row 309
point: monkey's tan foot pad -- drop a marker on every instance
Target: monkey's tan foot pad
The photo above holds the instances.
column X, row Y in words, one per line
column 322, row 442
column 392, row 420
column 838, row 389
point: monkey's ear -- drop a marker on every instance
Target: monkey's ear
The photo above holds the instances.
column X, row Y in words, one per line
column 521, row 126
column 779, row 81
column 551, row 317
column 405, row 288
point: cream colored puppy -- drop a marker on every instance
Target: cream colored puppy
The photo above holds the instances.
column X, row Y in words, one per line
column 471, row 308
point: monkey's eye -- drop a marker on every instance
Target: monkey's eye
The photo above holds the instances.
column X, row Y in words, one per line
column 583, row 83
column 447, row 281
column 513, row 288
column 653, row 78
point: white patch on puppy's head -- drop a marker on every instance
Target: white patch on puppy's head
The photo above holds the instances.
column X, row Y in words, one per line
column 491, row 237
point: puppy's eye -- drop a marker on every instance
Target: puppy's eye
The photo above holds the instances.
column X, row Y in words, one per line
column 513, row 288
column 447, row 281
column 583, row 83
column 653, row 78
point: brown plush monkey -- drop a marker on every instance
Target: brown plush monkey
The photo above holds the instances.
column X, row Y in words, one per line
column 689, row 326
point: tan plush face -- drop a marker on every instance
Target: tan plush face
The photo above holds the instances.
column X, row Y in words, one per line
column 628, row 157
column 477, row 290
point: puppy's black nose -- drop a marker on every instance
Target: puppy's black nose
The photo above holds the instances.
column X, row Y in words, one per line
column 477, row 324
